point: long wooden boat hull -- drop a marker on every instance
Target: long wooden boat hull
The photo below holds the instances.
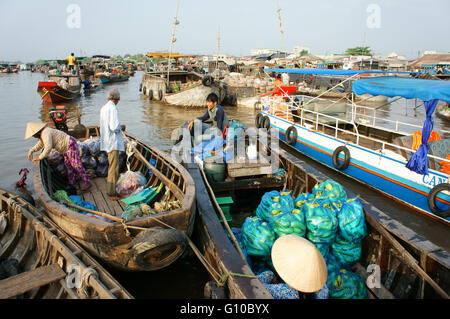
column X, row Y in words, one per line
column 399, row 278
column 56, row 94
column 382, row 172
column 142, row 244
column 49, row 258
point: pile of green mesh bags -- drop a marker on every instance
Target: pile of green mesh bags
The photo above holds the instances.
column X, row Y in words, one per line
column 326, row 217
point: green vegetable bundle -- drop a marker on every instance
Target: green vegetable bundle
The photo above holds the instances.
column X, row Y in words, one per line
column 330, row 190
column 344, row 284
column 285, row 223
column 303, row 198
column 273, row 203
column 352, row 225
column 347, row 252
column 258, row 237
column 321, row 223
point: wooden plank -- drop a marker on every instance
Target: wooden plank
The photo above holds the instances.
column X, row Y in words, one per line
column 101, row 203
column 29, row 280
column 250, row 171
column 114, row 205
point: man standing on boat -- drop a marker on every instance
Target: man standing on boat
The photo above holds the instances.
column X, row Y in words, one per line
column 111, row 140
column 71, row 62
column 215, row 113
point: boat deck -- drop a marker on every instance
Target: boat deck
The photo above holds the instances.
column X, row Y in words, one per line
column 97, row 196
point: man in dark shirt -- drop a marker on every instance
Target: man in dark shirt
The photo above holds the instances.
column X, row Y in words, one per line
column 215, row 112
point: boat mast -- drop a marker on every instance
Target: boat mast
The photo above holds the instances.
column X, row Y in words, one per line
column 218, row 46
column 283, row 43
column 172, row 40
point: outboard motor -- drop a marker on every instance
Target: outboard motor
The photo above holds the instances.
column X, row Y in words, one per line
column 58, row 114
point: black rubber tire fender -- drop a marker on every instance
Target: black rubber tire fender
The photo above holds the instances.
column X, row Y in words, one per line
column 258, row 120
column 257, row 106
column 144, row 90
column 140, row 88
column 207, row 80
column 150, row 94
column 432, row 200
column 265, row 122
column 291, row 129
column 169, row 242
column 160, row 95
column 341, row 165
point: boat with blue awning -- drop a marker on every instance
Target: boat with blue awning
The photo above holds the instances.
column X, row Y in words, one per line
column 404, row 161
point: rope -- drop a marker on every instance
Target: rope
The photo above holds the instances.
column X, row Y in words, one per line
column 86, row 274
column 225, row 277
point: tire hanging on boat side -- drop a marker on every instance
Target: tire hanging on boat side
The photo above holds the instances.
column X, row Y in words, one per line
column 258, row 120
column 266, row 122
column 432, row 200
column 150, row 94
column 160, row 95
column 172, row 241
column 291, row 129
column 341, row 165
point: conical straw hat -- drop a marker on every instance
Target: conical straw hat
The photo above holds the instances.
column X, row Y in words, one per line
column 299, row 263
column 33, row 128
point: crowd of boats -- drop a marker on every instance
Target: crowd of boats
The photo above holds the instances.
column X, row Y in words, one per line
column 324, row 114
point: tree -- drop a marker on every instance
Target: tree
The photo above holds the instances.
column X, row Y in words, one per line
column 304, row 52
column 359, row 51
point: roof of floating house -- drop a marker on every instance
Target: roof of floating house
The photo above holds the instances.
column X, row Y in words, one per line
column 430, row 59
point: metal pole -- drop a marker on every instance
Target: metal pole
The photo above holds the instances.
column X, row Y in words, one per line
column 172, row 41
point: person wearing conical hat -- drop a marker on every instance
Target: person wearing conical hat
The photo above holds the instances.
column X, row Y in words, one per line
column 299, row 263
column 64, row 144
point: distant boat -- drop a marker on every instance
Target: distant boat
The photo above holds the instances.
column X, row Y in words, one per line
column 54, row 91
column 107, row 77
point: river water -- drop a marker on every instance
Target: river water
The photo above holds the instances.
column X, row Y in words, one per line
column 153, row 123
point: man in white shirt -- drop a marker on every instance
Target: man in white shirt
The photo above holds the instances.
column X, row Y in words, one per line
column 111, row 140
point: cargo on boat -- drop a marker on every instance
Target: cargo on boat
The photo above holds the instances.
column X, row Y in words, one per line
column 119, row 233
column 407, row 265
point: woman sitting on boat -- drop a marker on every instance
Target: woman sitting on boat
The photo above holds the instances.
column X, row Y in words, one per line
column 64, row 144
column 215, row 113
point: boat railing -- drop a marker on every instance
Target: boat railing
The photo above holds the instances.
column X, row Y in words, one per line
column 328, row 121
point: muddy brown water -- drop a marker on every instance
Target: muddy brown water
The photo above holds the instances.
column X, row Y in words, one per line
column 153, row 123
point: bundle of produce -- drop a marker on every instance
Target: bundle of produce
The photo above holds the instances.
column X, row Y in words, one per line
column 238, row 235
column 61, row 170
column 137, row 210
column 321, row 222
column 303, row 198
column 352, row 225
column 89, row 162
column 54, row 158
column 102, row 164
column 344, row 284
column 346, row 252
column 329, row 189
column 93, row 145
column 258, row 237
column 285, row 223
column 77, row 200
column 128, row 182
column 83, row 149
column 273, row 203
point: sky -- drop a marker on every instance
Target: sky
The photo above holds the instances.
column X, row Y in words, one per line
column 50, row 29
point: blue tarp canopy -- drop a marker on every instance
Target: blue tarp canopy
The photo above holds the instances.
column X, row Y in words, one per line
column 408, row 88
column 331, row 71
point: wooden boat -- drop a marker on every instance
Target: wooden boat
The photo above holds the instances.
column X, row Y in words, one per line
column 370, row 149
column 443, row 112
column 185, row 88
column 43, row 261
column 142, row 243
column 108, row 77
column 52, row 92
column 409, row 265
